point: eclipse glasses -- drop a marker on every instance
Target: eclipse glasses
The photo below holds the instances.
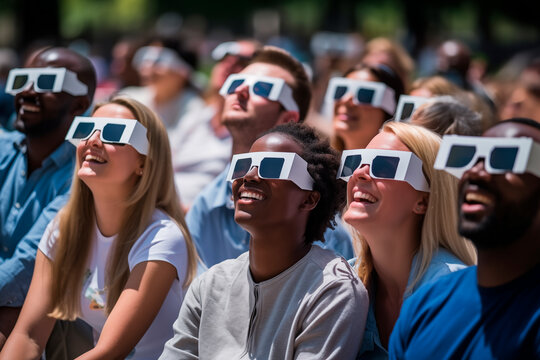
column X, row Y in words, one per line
column 385, row 164
column 371, row 93
column 272, row 165
column 112, row 131
column 47, row 79
column 271, row 88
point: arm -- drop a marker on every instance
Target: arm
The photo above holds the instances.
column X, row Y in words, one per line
column 334, row 326
column 138, row 304
column 8, row 318
column 16, row 271
column 185, row 342
column 34, row 327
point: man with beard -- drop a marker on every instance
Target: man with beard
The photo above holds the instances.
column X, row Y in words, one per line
column 36, row 164
column 491, row 310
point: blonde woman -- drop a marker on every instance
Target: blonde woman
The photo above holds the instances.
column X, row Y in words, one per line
column 404, row 217
column 119, row 255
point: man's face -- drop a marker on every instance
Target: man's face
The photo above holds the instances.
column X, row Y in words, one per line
column 497, row 209
column 39, row 114
column 256, row 113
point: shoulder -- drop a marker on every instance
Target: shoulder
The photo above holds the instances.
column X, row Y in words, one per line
column 442, row 263
column 213, row 195
column 223, row 274
column 7, row 141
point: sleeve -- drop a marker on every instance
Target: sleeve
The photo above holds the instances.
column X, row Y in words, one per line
column 335, row 324
column 16, row 272
column 185, row 342
column 161, row 241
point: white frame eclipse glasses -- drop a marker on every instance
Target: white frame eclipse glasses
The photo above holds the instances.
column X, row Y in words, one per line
column 47, row 79
column 160, row 57
column 385, row 165
column 458, row 154
column 272, row 165
column 112, row 131
column 407, row 105
column 372, row 93
column 271, row 88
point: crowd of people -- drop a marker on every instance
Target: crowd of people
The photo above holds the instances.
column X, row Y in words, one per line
column 347, row 209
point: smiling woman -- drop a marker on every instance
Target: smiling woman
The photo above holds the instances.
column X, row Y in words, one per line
column 285, row 298
column 118, row 255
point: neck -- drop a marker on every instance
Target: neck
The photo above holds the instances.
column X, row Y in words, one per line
column 38, row 148
column 274, row 251
column 502, row 265
column 241, row 140
column 110, row 205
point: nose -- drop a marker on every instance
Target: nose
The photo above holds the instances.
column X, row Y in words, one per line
column 252, row 174
column 242, row 91
column 28, row 89
column 95, row 139
column 478, row 171
column 346, row 99
column 362, row 172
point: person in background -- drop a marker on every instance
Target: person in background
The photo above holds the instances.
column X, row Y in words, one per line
column 285, row 298
column 357, row 115
column 36, row 163
column 118, row 255
column 272, row 90
column 447, row 115
column 490, row 310
column 404, row 215
column 8, row 61
column 525, row 99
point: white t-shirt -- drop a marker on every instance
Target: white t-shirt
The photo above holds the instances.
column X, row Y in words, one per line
column 162, row 240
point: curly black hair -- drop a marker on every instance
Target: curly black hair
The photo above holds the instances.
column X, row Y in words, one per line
column 323, row 165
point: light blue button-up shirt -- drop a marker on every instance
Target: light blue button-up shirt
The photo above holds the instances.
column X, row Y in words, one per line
column 218, row 237
column 27, row 205
column 442, row 263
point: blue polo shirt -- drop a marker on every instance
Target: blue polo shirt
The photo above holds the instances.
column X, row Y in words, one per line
column 27, row 205
column 218, row 237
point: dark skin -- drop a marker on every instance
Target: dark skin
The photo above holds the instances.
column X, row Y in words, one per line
column 276, row 223
column 515, row 256
column 45, row 119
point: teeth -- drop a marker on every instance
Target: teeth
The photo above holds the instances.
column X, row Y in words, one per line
column 358, row 195
column 30, row 108
column 250, row 195
column 96, row 158
column 478, row 198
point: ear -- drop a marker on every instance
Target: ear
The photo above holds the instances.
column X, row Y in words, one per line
column 420, row 207
column 80, row 105
column 311, row 201
column 140, row 165
column 288, row 116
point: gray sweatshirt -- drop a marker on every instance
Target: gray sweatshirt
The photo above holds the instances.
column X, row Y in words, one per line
column 316, row 309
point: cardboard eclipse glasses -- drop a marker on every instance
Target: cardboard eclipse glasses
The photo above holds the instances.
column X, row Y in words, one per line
column 47, row 79
column 112, row 131
column 385, row 164
column 371, row 93
column 272, row 165
column 458, row 154
column 271, row 88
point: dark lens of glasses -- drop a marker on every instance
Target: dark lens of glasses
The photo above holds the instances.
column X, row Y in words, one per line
column 385, row 166
column 262, row 88
column 407, row 111
column 46, row 81
column 351, row 163
column 83, row 130
column 365, row 96
column 19, row 81
column 503, row 158
column 340, row 91
column 112, row 132
column 460, row 155
column 241, row 168
column 234, row 85
column 271, row 168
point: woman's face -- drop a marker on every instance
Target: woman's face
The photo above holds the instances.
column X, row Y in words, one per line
column 267, row 203
column 108, row 164
column 357, row 124
column 377, row 203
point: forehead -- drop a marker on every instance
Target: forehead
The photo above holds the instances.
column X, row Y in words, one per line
column 264, row 69
column 364, row 75
column 276, row 142
column 387, row 141
column 513, row 130
column 114, row 111
column 53, row 58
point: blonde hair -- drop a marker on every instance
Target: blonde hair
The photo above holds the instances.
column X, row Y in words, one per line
column 439, row 228
column 155, row 189
column 436, row 85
